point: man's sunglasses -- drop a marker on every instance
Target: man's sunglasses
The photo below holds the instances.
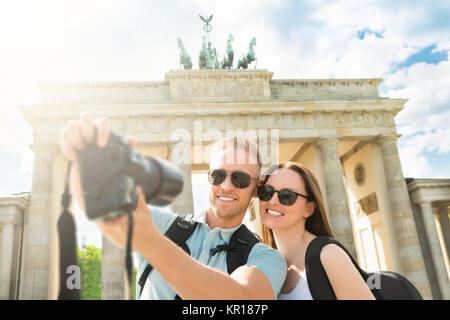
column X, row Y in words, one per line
column 285, row 196
column 240, row 179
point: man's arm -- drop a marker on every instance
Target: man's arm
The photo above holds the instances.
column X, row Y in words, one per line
column 194, row 280
column 188, row 277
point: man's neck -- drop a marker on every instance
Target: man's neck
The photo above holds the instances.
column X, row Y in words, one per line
column 213, row 221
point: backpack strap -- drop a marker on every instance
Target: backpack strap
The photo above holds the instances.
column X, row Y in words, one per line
column 239, row 247
column 318, row 281
column 179, row 232
column 241, row 243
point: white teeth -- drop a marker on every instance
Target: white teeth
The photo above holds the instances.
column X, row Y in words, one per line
column 226, row 199
column 274, row 213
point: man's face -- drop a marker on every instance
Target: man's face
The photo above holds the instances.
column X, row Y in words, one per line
column 228, row 202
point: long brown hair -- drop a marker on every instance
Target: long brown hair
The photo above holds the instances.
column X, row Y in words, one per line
column 317, row 223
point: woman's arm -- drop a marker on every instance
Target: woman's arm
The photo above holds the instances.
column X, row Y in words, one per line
column 345, row 279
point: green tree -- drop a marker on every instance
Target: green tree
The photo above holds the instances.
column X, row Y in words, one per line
column 90, row 261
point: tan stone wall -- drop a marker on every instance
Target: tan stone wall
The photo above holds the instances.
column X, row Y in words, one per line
column 372, row 234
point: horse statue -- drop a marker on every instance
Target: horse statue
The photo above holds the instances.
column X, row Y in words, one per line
column 249, row 57
column 185, row 59
column 227, row 62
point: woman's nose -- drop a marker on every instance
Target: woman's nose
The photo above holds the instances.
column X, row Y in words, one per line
column 274, row 199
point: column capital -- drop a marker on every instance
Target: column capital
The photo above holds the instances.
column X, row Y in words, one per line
column 323, row 140
column 48, row 147
column 443, row 206
column 9, row 215
column 424, row 203
column 387, row 137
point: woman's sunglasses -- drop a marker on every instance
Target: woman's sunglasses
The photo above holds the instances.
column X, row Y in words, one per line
column 285, row 196
column 240, row 179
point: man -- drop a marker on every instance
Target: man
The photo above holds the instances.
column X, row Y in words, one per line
column 200, row 275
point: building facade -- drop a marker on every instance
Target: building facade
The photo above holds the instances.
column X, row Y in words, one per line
column 340, row 128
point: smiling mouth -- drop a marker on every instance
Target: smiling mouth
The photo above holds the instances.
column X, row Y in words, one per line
column 227, row 199
column 274, row 213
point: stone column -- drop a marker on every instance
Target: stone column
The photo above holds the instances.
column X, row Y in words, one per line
column 339, row 212
column 180, row 155
column 8, row 218
column 113, row 271
column 435, row 249
column 445, row 225
column 407, row 240
column 36, row 264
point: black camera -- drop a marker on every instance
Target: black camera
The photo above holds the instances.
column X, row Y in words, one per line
column 110, row 174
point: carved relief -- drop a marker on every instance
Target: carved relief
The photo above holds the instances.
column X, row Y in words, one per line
column 366, row 205
column 287, row 121
column 368, row 119
column 298, row 120
column 339, row 119
column 274, row 122
column 328, row 120
column 216, row 89
column 308, row 118
column 318, row 119
column 378, row 118
column 210, row 123
column 357, row 119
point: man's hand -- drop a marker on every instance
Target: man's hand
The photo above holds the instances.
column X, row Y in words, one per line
column 116, row 230
column 74, row 136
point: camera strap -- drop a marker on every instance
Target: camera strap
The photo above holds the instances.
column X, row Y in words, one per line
column 69, row 272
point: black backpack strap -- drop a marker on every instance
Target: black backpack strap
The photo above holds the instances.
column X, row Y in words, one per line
column 241, row 243
column 179, row 232
column 318, row 282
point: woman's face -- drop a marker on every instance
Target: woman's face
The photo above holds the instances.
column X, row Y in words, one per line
column 275, row 215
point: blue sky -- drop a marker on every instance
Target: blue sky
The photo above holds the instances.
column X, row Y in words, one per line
column 406, row 43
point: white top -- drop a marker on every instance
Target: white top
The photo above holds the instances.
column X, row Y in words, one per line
column 300, row 292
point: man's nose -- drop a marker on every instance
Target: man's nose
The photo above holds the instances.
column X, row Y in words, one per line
column 227, row 184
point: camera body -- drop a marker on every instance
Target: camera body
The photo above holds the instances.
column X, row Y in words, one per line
column 109, row 176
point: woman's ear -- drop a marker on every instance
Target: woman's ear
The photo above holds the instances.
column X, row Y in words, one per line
column 310, row 207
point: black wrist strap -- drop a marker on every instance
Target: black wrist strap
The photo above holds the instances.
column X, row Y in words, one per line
column 69, row 283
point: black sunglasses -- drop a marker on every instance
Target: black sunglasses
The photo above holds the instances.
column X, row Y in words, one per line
column 240, row 179
column 285, row 196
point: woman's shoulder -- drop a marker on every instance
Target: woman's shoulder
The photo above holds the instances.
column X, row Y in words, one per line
column 335, row 259
column 330, row 250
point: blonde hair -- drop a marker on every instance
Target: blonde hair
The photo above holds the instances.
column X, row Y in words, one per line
column 239, row 144
column 317, row 223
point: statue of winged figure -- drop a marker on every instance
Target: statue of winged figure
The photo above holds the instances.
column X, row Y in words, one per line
column 207, row 27
column 207, row 19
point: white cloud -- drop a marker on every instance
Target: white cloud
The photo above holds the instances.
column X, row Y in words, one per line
column 426, row 86
column 413, row 163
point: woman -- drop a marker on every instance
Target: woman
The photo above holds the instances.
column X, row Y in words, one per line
column 292, row 215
